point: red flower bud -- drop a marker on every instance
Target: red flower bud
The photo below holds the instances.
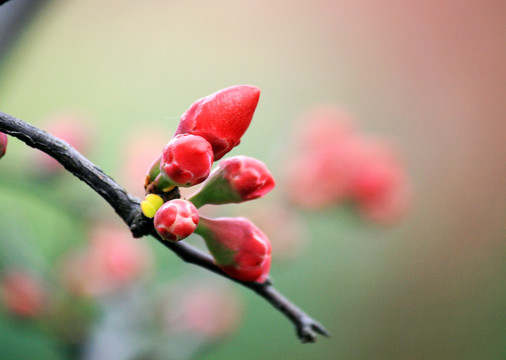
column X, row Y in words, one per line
column 186, row 160
column 239, row 248
column 221, row 118
column 237, row 179
column 3, row 144
column 176, row 220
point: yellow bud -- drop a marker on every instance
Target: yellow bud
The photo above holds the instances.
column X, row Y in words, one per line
column 150, row 205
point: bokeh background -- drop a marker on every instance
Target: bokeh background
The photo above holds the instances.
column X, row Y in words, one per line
column 429, row 74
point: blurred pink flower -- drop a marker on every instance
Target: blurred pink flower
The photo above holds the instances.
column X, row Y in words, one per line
column 380, row 186
column 209, row 310
column 140, row 147
column 332, row 163
column 23, row 294
column 111, row 260
column 319, row 177
column 323, row 125
column 71, row 128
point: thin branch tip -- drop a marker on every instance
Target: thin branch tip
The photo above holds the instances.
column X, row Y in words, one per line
column 308, row 330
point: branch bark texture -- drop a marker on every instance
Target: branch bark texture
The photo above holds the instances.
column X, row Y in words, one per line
column 128, row 209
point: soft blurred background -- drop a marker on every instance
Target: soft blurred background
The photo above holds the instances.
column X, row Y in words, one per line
column 428, row 75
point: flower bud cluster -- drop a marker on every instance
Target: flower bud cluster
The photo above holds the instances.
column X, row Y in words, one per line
column 207, row 131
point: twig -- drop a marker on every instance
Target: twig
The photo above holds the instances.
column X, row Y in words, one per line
column 128, row 208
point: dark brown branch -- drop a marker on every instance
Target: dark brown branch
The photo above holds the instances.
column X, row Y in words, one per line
column 128, row 208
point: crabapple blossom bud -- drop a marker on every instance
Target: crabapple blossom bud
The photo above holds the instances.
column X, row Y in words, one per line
column 237, row 179
column 3, row 144
column 150, row 205
column 239, row 248
column 176, row 219
column 221, row 118
column 186, row 160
